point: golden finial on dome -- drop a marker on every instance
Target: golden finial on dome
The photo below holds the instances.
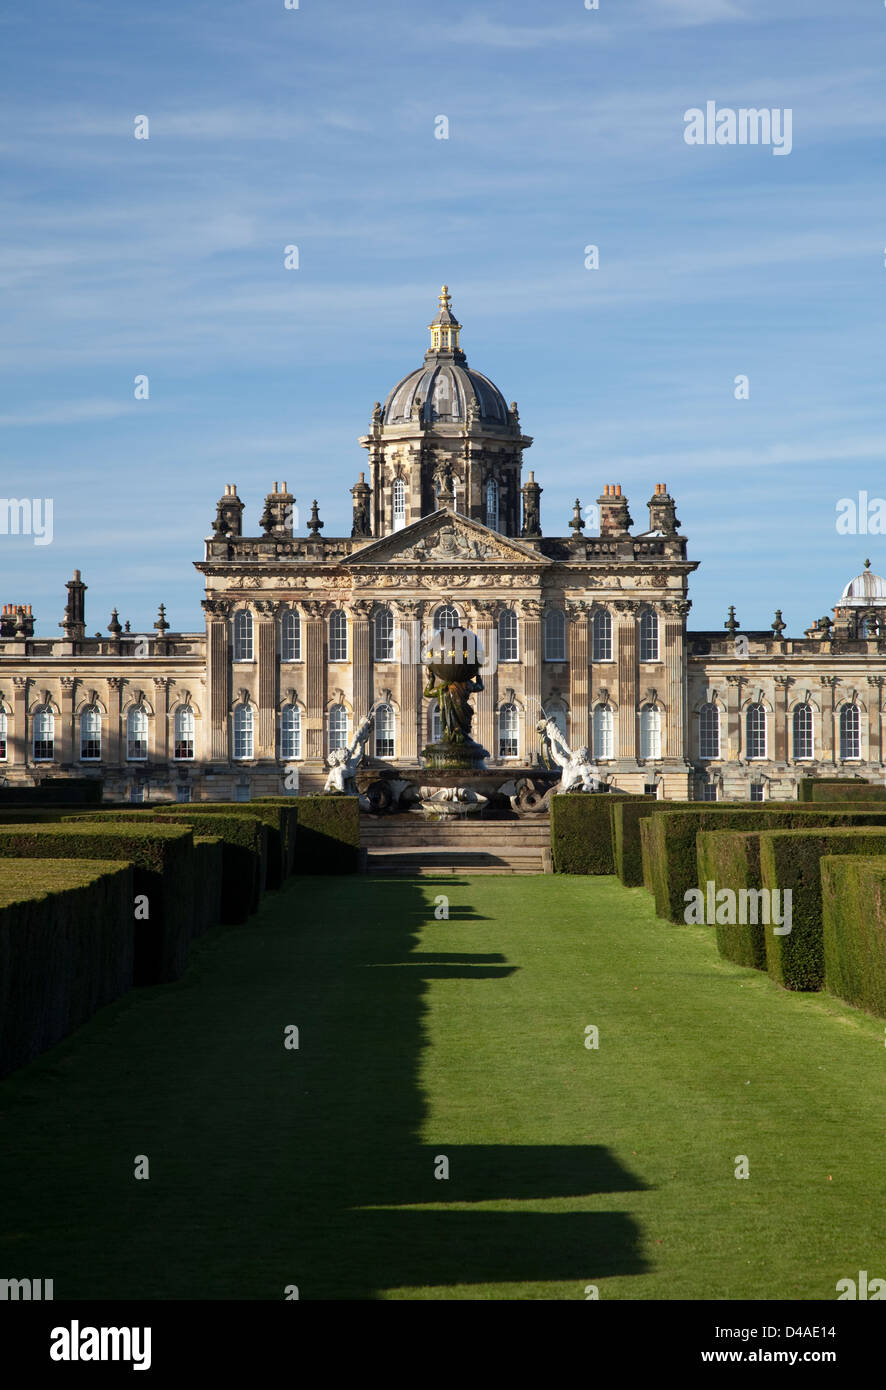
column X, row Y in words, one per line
column 445, row 297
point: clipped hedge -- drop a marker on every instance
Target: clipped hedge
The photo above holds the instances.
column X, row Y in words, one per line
column 163, row 860
column 669, row 851
column 853, row 919
column 789, row 859
column 646, row 825
column 278, row 817
column 55, row 791
column 581, row 831
column 626, row 847
column 66, row 949
column 847, row 791
column 731, row 859
column 244, row 850
column 208, row 850
column 328, row 837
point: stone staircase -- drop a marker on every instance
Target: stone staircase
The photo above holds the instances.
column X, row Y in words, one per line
column 407, row 845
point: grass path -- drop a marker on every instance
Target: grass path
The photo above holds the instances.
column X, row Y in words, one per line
column 462, row 1038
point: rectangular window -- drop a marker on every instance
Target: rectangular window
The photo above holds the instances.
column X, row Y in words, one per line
column 707, row 791
column 183, row 793
column 137, row 793
column 242, row 793
column 756, row 791
column 651, row 789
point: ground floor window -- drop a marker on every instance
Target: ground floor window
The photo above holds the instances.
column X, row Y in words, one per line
column 756, row 791
column 137, row 793
column 183, row 793
column 707, row 791
column 243, row 793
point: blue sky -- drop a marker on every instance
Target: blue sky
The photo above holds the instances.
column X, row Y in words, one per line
column 315, row 127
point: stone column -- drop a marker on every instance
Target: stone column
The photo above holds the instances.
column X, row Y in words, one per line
column 114, row 757
column 158, row 747
column 361, row 653
column 66, row 742
column 875, row 719
column 734, row 740
column 530, row 611
column 315, row 678
column 266, row 648
column 483, row 624
column 18, row 753
column 218, row 678
column 673, row 629
column 407, row 613
column 579, row 673
column 781, row 717
column 625, row 637
column 829, row 738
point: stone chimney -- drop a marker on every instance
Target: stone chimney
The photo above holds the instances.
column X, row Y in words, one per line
column 228, row 514
column 276, row 519
column 615, row 519
column 663, row 511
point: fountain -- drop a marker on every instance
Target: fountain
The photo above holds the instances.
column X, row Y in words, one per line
column 454, row 760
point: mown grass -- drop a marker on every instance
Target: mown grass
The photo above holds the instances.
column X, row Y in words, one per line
column 422, row 1038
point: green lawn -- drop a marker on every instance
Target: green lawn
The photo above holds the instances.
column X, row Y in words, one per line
column 463, row 1038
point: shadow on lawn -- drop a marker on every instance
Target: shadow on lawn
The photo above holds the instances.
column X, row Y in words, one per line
column 272, row 1167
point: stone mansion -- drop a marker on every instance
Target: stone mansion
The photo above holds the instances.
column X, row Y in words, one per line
column 303, row 633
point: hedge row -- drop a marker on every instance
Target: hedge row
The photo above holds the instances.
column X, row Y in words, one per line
column 670, row 866
column 66, row 949
column 853, row 914
column 328, row 835
column 162, row 857
column 786, row 860
column 581, row 831
column 839, row 789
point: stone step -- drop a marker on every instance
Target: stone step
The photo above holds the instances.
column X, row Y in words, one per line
column 419, row 859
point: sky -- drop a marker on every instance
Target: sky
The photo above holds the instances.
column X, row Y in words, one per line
column 317, row 127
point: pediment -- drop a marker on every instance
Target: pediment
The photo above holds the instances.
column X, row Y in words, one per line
column 446, row 537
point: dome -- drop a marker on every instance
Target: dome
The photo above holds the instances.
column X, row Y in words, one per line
column 446, row 391
column 865, row 590
column 445, row 385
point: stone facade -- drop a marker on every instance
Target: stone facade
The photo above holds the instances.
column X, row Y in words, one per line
column 304, row 633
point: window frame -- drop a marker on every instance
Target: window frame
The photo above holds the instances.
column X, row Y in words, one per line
column 139, row 713
column 338, row 637
column 555, row 619
column 243, row 636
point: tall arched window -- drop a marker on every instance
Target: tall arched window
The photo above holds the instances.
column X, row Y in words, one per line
column 507, row 635
column 709, row 731
column 492, row 504
column 338, row 635
column 398, row 494
column 603, row 732
column 649, row 637
column 3, row 736
column 384, row 732
column 44, row 735
column 338, row 727
column 555, row 635
column 183, row 733
column 137, row 734
column 91, row 734
column 755, row 724
column 383, row 628
column 243, row 650
column 290, row 636
column 850, row 732
column 445, row 617
column 601, row 636
column 290, row 732
column 804, row 746
column 650, row 732
column 243, row 732
column 508, row 732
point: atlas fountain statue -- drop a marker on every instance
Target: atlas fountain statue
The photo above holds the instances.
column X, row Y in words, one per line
column 453, row 660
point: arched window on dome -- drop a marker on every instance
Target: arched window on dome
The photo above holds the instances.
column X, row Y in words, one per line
column 398, row 496
column 492, row 504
